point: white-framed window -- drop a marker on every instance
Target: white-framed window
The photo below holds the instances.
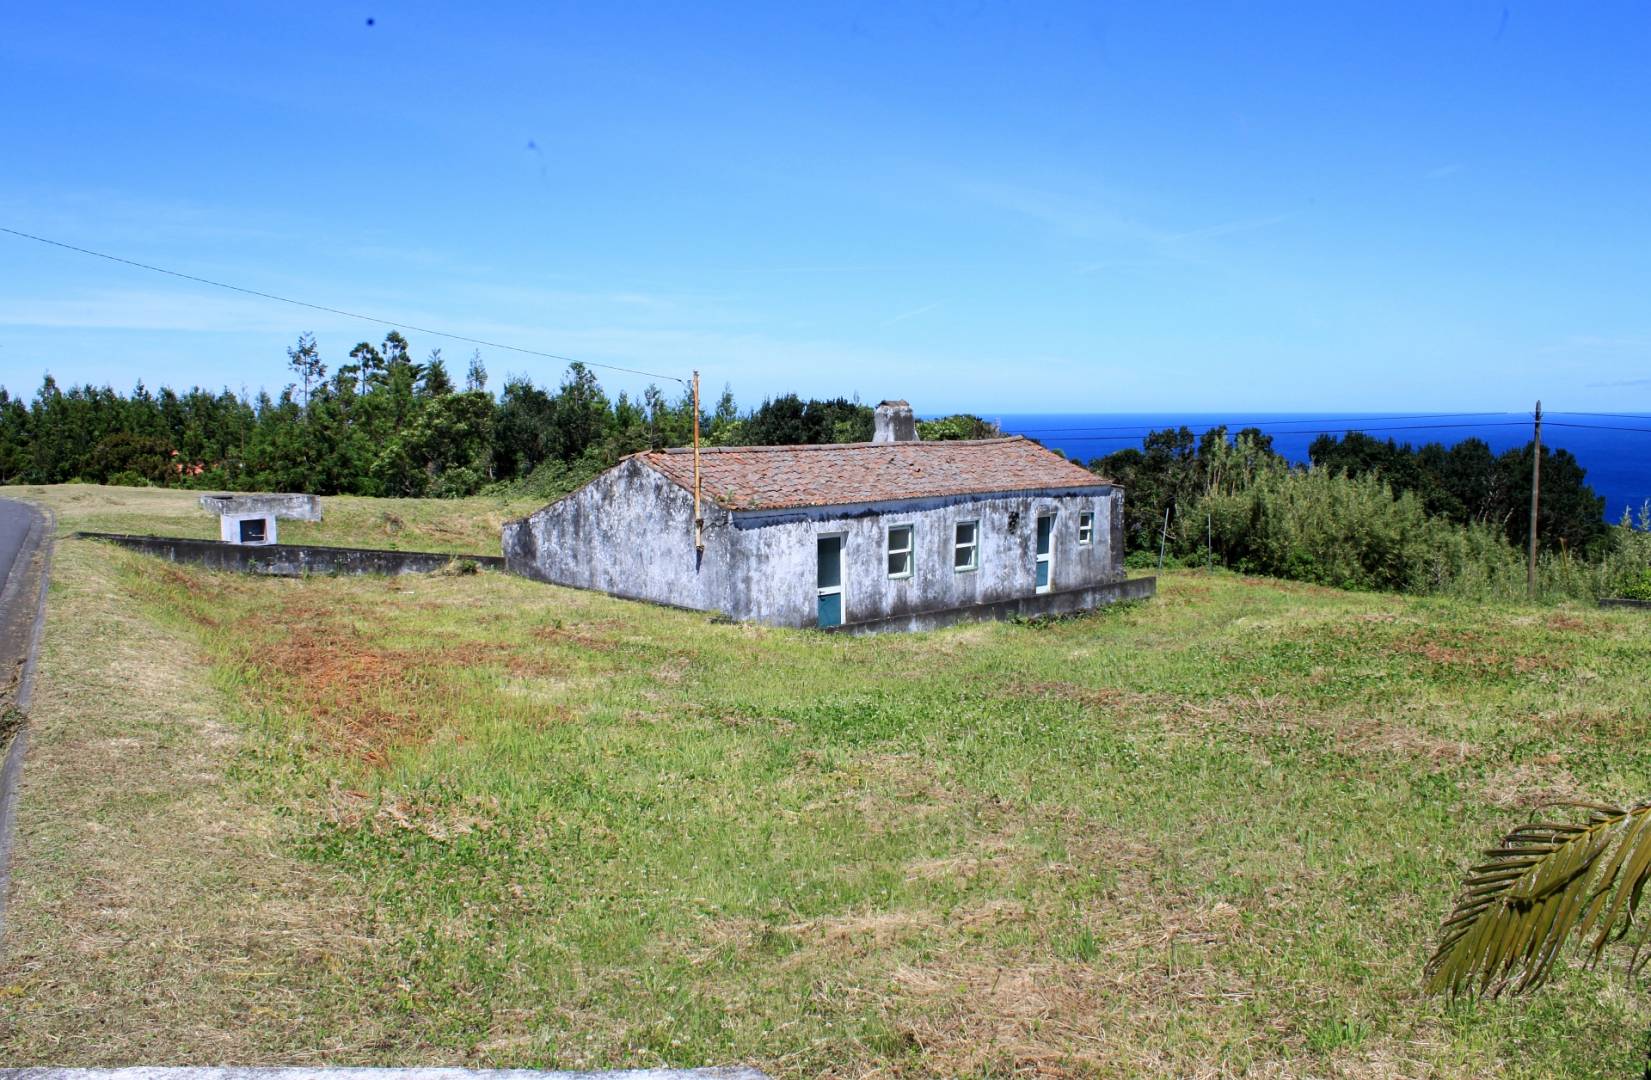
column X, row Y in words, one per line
column 966, row 547
column 900, row 551
column 1086, row 528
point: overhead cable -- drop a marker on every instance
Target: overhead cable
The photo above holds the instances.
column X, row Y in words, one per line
column 396, row 323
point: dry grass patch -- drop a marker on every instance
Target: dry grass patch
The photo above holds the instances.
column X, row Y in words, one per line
column 154, row 916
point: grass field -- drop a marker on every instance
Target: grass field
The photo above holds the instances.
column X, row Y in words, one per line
column 468, row 526
column 485, row 821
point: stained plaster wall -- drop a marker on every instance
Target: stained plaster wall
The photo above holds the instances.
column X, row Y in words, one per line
column 774, row 567
column 229, row 528
column 629, row 532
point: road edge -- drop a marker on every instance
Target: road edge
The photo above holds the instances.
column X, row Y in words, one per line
column 41, row 542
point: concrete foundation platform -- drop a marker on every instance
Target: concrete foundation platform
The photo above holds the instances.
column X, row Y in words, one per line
column 1038, row 606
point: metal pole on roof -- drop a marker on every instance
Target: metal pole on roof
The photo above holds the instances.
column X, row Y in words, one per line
column 699, row 521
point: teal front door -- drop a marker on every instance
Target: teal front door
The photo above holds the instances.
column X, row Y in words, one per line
column 829, row 581
column 1046, row 544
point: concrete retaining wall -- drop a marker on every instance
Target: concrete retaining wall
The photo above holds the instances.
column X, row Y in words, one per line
column 290, row 560
column 1067, row 602
column 1615, row 601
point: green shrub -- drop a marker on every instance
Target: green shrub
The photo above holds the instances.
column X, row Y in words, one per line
column 1639, row 590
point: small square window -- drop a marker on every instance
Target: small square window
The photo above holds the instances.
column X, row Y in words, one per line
column 1086, row 527
column 966, row 549
column 900, row 551
column 252, row 531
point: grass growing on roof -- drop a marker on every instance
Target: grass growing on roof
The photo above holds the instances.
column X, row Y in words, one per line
column 1204, row 835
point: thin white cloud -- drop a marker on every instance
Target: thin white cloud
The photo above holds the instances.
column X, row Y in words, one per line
column 1228, row 228
column 1598, row 343
column 1130, row 242
column 914, row 312
column 1075, row 216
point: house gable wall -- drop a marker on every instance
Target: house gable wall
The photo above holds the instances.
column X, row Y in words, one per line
column 629, row 532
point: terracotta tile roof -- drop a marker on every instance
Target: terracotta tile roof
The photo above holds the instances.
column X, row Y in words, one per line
column 783, row 477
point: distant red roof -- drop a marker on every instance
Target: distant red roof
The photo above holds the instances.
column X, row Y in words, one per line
column 837, row 474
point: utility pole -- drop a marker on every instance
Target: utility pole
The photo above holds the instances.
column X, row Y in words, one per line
column 1163, row 538
column 1536, row 492
column 699, row 520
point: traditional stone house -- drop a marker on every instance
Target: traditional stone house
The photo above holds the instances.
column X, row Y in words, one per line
column 892, row 534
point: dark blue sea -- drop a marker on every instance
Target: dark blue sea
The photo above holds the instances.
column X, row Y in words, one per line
column 1616, row 449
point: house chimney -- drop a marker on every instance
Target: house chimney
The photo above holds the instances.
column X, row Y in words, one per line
column 895, row 423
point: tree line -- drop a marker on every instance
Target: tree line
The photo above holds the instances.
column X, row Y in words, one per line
column 1375, row 514
column 384, row 424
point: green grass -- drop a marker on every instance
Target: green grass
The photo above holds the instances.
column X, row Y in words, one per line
column 1206, row 835
column 469, row 526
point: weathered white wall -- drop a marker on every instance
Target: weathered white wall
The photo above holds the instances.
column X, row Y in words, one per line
column 292, row 507
column 229, row 527
column 774, row 565
column 629, row 532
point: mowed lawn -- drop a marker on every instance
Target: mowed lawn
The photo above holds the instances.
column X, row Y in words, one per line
column 480, row 820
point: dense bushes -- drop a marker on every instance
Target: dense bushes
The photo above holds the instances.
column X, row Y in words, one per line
column 1468, row 484
column 1240, row 504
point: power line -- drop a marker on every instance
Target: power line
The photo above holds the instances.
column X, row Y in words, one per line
column 1325, row 431
column 1622, row 415
column 394, row 323
column 1278, row 423
column 1599, row 427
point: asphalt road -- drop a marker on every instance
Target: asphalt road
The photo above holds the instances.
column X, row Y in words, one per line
column 22, row 531
column 15, row 521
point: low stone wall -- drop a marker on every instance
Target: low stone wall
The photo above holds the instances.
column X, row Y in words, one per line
column 1039, row 605
column 290, row 560
column 1617, row 601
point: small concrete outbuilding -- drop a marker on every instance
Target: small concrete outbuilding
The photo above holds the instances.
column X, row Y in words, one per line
column 897, row 533
column 250, row 519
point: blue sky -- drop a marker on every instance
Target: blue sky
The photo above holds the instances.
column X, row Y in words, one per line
column 974, row 206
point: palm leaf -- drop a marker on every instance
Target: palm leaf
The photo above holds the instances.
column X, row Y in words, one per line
column 1542, row 882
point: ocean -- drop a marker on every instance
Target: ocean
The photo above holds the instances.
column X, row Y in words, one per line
column 1615, row 450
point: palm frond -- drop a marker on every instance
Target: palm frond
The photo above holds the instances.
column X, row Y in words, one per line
column 1543, row 881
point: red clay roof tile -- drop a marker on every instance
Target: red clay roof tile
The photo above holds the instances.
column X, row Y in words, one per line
column 837, row 474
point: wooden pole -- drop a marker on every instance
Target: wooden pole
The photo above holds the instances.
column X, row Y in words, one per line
column 1536, row 493
column 699, row 520
column 1163, row 538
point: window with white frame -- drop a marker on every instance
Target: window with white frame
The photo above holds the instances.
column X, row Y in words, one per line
column 1086, row 527
column 966, row 549
column 900, row 551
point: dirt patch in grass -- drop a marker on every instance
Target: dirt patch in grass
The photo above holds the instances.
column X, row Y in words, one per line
column 1529, row 784
column 1031, row 1012
column 1103, row 698
column 582, row 638
column 361, row 698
